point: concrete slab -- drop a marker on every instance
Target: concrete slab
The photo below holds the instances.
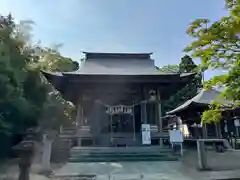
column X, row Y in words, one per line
column 125, row 170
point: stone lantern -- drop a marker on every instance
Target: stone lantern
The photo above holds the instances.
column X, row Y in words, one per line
column 25, row 151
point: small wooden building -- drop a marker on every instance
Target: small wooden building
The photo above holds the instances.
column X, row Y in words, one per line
column 191, row 112
column 115, row 93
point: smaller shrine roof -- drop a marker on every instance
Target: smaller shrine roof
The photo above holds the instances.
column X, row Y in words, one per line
column 204, row 97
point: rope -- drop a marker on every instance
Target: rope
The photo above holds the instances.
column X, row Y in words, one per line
column 121, row 105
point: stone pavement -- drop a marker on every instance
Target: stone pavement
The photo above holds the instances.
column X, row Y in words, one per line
column 124, row 170
column 226, row 165
column 217, row 161
column 161, row 170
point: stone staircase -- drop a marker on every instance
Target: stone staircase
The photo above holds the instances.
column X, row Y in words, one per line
column 67, row 132
column 62, row 145
column 116, row 154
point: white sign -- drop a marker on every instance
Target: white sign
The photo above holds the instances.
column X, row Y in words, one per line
column 146, row 134
column 176, row 136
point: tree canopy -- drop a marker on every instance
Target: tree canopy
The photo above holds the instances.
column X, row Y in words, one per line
column 187, row 92
column 217, row 44
column 24, row 94
column 170, row 68
column 187, row 65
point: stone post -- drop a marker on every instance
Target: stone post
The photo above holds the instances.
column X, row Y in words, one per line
column 25, row 150
column 47, row 150
column 202, row 157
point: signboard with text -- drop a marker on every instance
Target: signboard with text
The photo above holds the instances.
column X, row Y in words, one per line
column 146, row 134
column 176, row 136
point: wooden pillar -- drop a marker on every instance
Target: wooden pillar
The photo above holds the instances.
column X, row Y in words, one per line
column 133, row 120
column 79, row 119
column 237, row 131
column 160, row 115
column 156, row 113
column 145, row 121
column 218, row 130
column 98, row 116
column 79, row 115
column 145, row 112
column 111, row 129
column 142, row 112
column 204, row 131
column 159, row 110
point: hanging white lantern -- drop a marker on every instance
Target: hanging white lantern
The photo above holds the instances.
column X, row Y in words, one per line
column 152, row 94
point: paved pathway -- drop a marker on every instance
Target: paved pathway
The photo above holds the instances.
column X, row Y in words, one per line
column 125, row 170
column 227, row 165
column 141, row 171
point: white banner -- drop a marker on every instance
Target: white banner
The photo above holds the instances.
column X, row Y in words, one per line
column 146, row 134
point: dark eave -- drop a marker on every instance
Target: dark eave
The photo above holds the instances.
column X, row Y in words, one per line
column 131, row 78
column 55, row 78
column 66, row 83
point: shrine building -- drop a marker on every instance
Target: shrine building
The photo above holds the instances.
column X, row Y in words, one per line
column 115, row 93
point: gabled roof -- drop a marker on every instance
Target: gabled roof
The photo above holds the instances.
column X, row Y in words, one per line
column 204, row 97
column 119, row 67
column 118, row 64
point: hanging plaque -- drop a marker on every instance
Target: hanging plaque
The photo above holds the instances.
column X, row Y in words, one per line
column 121, row 109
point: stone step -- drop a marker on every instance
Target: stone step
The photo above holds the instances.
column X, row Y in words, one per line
column 113, row 154
column 121, row 149
column 118, row 154
column 122, row 159
column 67, row 132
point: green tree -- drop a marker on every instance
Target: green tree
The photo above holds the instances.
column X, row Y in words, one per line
column 52, row 60
column 187, row 92
column 19, row 107
column 217, row 44
column 26, row 98
column 187, row 65
column 25, row 94
column 56, row 110
column 171, row 68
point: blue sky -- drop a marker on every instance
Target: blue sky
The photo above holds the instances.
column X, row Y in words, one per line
column 156, row 26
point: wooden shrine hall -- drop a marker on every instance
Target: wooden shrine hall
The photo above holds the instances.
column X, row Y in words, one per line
column 115, row 93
